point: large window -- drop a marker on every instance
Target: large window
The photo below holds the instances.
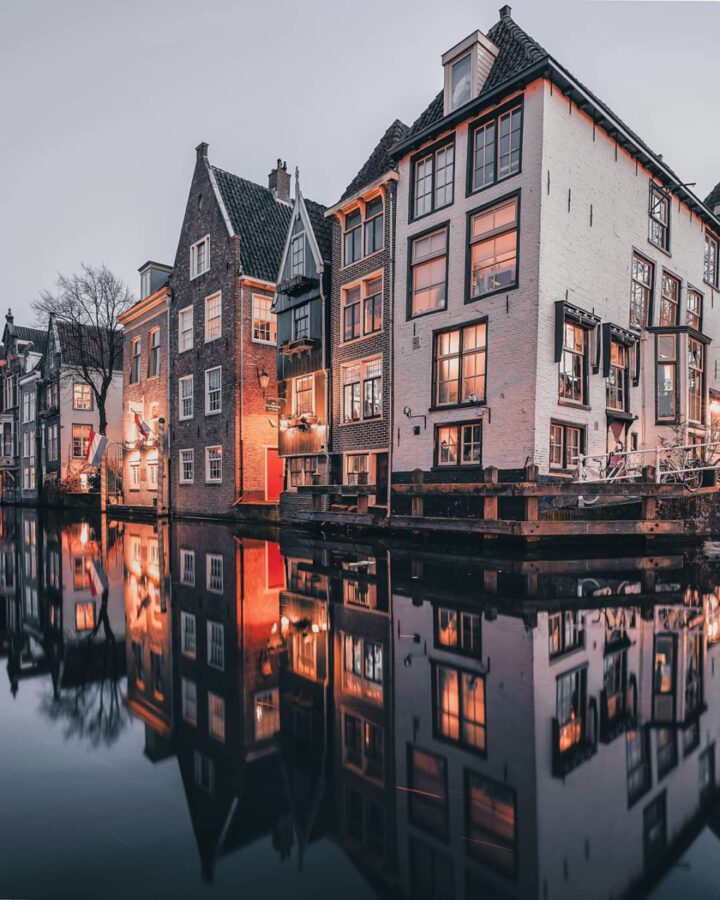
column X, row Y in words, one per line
column 185, row 329
column 185, row 397
column 659, row 225
column 187, row 467
column 494, row 248
column 200, row 257
column 496, row 148
column 428, row 276
column 213, row 465
column 154, row 354
column 641, row 286
column 374, row 227
column 571, row 702
column 490, row 822
column 458, row 630
column 362, row 390
column 301, row 322
column 619, row 376
column 264, row 321
column 363, row 668
column 303, row 396
column 433, row 180
column 566, row 632
column 362, row 308
column 213, row 317
column 427, row 791
column 460, row 706
column 572, row 385
column 669, row 299
column 136, row 353
column 213, row 391
column 696, row 381
column 459, row 367
column 80, row 441
column 666, row 376
column 711, row 264
column 458, row 445
column 694, row 305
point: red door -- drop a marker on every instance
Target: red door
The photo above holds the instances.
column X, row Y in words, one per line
column 274, row 470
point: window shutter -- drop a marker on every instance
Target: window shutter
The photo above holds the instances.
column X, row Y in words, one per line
column 598, row 348
column 606, row 349
column 559, row 328
column 636, row 358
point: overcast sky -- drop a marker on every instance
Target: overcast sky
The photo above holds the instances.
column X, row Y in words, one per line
column 103, row 103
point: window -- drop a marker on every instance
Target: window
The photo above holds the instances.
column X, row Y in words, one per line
column 659, row 225
column 154, row 357
column 666, row 376
column 433, row 180
column 303, row 396
column 458, row 630
column 135, row 361
column 427, row 791
column 187, row 567
column 200, row 257
column 428, row 261
column 573, row 364
column 363, row 668
column 566, row 632
column 460, row 707
column 85, row 616
column 267, row 714
column 460, row 82
column 214, row 572
column 493, row 248
column 301, row 470
column 362, row 390
column 459, row 369
column 362, row 309
column 187, row 467
column 52, row 443
column 135, row 475
column 571, row 689
column 363, row 744
column 619, row 377
column 496, row 146
column 711, row 265
column 694, row 304
column 80, row 441
column 189, row 701
column 301, row 322
column 213, row 317
column 696, row 381
column 264, row 321
column 374, row 225
column 669, row 300
column 213, row 465
column 216, row 645
column 187, row 621
column 356, row 464
column 216, row 717
column 297, row 254
column 664, row 678
column 352, row 238
column 185, row 398
column 185, row 329
column 213, row 391
column 638, row 764
column 614, row 684
column 458, row 445
column 640, row 291
column 82, row 396
column 490, row 822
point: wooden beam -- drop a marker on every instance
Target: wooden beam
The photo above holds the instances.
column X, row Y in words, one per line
column 572, row 489
column 541, row 528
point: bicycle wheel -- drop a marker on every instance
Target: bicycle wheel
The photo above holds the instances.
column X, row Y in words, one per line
column 693, row 477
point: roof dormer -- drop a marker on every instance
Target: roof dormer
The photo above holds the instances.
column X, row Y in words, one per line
column 467, row 66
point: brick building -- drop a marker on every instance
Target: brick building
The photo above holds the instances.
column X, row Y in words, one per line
column 145, row 391
column 554, row 279
column 360, row 321
column 222, row 339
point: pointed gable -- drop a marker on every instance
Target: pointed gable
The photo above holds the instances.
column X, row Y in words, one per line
column 712, row 201
column 379, row 161
column 308, row 218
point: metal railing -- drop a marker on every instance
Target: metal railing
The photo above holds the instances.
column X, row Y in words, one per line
column 673, row 464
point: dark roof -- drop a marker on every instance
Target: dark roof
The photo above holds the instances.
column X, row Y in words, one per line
column 36, row 335
column 76, row 340
column 713, row 198
column 259, row 219
column 321, row 226
column 379, row 161
column 517, row 52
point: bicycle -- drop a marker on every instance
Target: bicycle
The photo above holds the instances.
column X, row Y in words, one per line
column 680, row 466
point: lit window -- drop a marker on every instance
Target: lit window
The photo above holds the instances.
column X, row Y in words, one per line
column 571, row 689
column 213, row 391
column 264, row 321
column 200, row 257
column 213, row 465
column 460, row 361
column 80, row 441
column 213, row 317
column 185, row 390
column 185, row 329
column 303, row 399
column 666, row 376
column 493, row 248
column 187, row 467
column 460, row 707
column 429, row 272
column 566, row 632
column 458, row 630
column 82, row 396
column 267, row 714
column 85, row 616
column 216, row 716
column 659, row 225
column 459, row 445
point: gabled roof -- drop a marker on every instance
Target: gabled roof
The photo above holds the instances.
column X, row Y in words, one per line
column 321, row 227
column 22, row 333
column 379, row 160
column 713, row 198
column 74, row 338
column 259, row 220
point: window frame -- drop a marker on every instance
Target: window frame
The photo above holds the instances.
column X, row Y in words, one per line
column 154, row 353
column 624, row 386
column 181, row 471
column 655, row 188
column 666, row 300
column 584, row 356
column 430, row 151
column 195, row 272
column 190, row 312
column 84, row 441
column 459, row 443
column 208, row 461
column 294, row 405
column 485, row 858
column 208, row 411
column 443, row 831
column 483, row 122
column 271, row 322
column 710, row 239
column 668, row 420
column 436, row 335
column 495, row 233
column 691, row 291
column 637, row 254
column 441, row 226
column 361, row 285
column 460, row 671
column 458, row 648
column 217, row 295
column 362, row 382
column 210, row 558
column 183, row 380
column 86, row 388
column 582, row 429
column 211, row 623
column 135, row 360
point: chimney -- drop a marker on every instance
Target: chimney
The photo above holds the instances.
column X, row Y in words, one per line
column 505, row 11
column 201, row 150
column 279, row 181
column 9, row 318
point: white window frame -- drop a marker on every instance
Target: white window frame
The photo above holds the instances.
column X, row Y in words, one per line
column 216, row 296
column 186, row 685
column 194, row 248
column 186, row 379
column 272, row 320
column 208, row 450
column 186, row 555
column 181, row 476
column 211, row 626
column 208, row 411
column 186, row 310
column 189, row 648
column 216, row 588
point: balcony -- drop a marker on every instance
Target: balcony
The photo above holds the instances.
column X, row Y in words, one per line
column 302, row 345
column 298, row 284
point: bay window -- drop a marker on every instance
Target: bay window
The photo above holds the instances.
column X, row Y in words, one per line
column 494, row 248
column 666, row 380
column 696, row 381
column 428, row 272
column 459, row 365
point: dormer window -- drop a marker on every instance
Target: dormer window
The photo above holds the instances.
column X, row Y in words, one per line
column 467, row 66
column 460, row 85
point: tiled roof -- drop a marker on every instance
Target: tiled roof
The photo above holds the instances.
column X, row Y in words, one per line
column 321, row 226
column 259, row 219
column 713, row 198
column 36, row 335
column 517, row 52
column 77, row 341
column 379, row 160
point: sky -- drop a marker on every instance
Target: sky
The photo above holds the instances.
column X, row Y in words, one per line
column 103, row 103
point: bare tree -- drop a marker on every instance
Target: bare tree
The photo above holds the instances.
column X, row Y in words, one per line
column 87, row 305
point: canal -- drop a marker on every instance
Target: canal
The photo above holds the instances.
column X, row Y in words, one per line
column 190, row 710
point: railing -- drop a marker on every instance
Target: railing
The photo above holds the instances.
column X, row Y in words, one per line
column 676, row 464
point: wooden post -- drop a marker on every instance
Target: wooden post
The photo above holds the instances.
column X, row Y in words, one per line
column 649, row 504
column 490, row 503
column 532, row 507
column 362, row 504
column 418, row 502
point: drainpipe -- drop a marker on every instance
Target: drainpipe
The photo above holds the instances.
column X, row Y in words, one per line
column 391, row 331
column 239, row 442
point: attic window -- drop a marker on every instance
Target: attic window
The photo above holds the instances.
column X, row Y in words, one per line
column 460, row 85
column 297, row 254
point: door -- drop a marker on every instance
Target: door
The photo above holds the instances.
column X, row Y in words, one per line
column 381, row 479
column 274, row 470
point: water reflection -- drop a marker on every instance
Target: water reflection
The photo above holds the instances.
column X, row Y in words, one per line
column 459, row 727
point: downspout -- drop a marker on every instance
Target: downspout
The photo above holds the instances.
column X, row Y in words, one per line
column 240, row 482
column 167, row 462
column 391, row 331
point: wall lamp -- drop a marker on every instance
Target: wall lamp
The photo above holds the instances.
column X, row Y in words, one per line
column 263, row 379
column 409, row 413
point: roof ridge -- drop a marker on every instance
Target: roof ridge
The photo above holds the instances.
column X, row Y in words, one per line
column 378, row 162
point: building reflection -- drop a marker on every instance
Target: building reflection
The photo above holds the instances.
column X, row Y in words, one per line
column 458, row 726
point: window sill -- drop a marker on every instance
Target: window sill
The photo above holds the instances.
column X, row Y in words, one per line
column 571, row 404
column 501, row 290
column 217, row 412
column 361, row 421
column 212, row 340
column 363, row 337
column 185, row 418
column 212, row 482
column 480, row 404
column 185, row 483
column 455, row 467
column 428, row 312
column 360, row 259
column 425, row 215
column 263, row 343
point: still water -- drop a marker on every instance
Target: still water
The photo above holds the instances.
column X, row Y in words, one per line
column 192, row 711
